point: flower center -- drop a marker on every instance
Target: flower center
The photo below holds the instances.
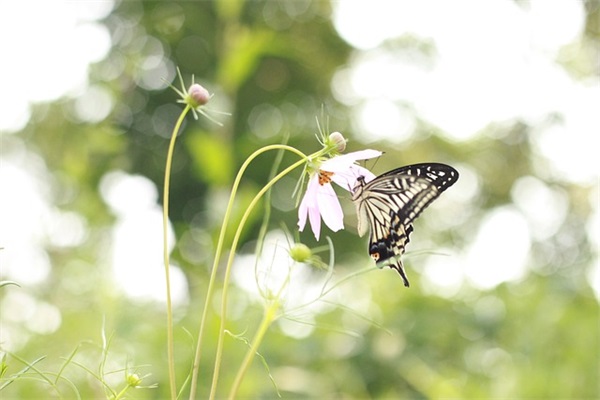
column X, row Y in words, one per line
column 324, row 177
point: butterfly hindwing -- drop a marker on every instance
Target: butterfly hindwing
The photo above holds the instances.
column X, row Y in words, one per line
column 390, row 203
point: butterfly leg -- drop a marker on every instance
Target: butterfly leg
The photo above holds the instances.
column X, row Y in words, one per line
column 400, row 268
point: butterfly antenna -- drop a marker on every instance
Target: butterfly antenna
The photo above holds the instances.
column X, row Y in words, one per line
column 377, row 160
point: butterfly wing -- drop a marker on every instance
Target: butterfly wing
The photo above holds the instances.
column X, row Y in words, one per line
column 392, row 201
column 442, row 176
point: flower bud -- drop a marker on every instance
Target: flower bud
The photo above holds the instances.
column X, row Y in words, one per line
column 300, row 253
column 198, row 94
column 133, row 380
column 338, row 140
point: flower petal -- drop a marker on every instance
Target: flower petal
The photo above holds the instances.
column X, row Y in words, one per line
column 309, row 207
column 302, row 214
column 347, row 179
column 365, row 154
column 314, row 217
column 308, row 201
column 343, row 162
column 330, row 208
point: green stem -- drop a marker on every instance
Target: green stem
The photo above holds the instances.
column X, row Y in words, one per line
column 268, row 318
column 170, row 346
column 120, row 395
column 219, row 249
column 236, row 238
column 262, row 232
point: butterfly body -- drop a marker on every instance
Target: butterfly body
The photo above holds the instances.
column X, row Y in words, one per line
column 389, row 204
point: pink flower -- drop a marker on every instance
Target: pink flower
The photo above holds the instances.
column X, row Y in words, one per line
column 320, row 200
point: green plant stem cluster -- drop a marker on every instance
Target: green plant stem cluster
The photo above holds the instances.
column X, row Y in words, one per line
column 270, row 312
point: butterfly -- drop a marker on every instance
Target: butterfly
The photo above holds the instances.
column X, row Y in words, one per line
column 390, row 203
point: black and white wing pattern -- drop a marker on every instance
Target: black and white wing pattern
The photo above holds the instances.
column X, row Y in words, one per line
column 390, row 203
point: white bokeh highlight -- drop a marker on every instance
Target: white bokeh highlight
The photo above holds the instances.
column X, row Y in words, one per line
column 137, row 239
column 478, row 73
column 48, row 47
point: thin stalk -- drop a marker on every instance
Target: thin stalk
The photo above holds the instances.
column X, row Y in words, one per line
column 236, row 238
column 170, row 346
column 218, row 252
column 268, row 318
column 122, row 393
column 260, row 240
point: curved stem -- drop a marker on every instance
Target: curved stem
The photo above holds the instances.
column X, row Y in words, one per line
column 219, row 249
column 230, row 262
column 268, row 318
column 170, row 346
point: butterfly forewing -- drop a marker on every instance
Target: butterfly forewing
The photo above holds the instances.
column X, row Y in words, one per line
column 441, row 175
column 390, row 203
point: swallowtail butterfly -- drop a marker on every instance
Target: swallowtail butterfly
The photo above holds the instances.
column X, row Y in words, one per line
column 389, row 204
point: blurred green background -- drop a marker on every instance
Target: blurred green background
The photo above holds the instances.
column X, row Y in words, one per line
column 503, row 268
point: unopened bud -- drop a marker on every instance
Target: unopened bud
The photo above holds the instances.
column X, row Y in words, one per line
column 198, row 94
column 300, row 253
column 339, row 141
column 133, row 380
